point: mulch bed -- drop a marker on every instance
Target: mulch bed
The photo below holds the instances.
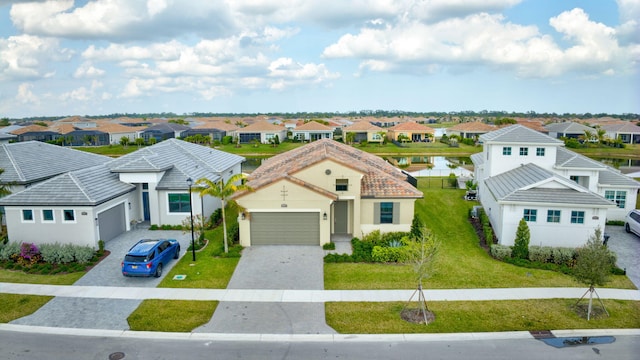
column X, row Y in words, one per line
column 416, row 316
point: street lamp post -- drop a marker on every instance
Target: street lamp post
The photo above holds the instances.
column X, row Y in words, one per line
column 193, row 240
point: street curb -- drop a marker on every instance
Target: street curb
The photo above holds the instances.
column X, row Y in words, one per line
column 507, row 335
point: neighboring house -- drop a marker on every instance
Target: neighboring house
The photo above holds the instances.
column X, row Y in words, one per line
column 7, row 138
column 628, row 132
column 215, row 130
column 308, row 194
column 164, row 131
column 312, row 131
column 410, row 131
column 101, row 202
column 87, row 137
column 470, row 130
column 562, row 195
column 117, row 131
column 36, row 133
column 570, row 130
column 365, row 131
column 262, row 131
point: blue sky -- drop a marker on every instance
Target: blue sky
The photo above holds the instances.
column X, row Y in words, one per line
column 65, row 57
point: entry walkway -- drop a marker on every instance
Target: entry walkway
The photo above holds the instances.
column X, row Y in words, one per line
column 308, row 296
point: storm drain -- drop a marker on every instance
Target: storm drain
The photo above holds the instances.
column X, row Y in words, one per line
column 116, row 356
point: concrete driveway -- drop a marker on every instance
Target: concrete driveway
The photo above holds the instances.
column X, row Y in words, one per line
column 108, row 314
column 627, row 248
column 274, row 267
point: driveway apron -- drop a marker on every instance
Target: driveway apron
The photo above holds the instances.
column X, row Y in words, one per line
column 109, row 314
column 627, row 247
column 281, row 267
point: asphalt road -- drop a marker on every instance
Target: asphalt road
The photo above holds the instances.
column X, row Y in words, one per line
column 16, row 345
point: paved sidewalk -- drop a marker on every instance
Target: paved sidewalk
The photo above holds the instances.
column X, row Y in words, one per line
column 308, row 296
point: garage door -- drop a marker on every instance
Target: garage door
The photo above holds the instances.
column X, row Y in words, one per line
column 285, row 228
column 112, row 222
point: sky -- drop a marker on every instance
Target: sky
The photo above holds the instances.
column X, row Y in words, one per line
column 98, row 57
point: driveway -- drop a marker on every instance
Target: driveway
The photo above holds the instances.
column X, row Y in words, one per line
column 108, row 314
column 274, row 267
column 627, row 248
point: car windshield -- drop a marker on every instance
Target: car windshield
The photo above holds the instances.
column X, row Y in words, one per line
column 135, row 259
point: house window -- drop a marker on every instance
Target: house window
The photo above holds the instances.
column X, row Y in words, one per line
column 574, row 178
column 530, row 215
column 386, row 213
column 619, row 197
column 506, row 150
column 553, row 216
column 27, row 215
column 524, row 151
column 577, row 217
column 342, row 184
column 47, row 215
column 376, row 137
column 69, row 215
column 539, row 151
column 179, row 203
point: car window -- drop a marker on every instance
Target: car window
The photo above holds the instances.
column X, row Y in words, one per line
column 134, row 258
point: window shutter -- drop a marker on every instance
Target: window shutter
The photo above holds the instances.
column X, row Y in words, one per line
column 396, row 213
column 376, row 213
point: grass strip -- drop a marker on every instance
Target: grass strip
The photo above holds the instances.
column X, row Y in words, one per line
column 15, row 306
column 171, row 315
column 478, row 316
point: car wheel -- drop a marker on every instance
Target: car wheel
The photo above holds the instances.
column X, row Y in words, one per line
column 158, row 271
column 177, row 254
column 627, row 228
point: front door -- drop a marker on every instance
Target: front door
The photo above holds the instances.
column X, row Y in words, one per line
column 145, row 206
column 341, row 217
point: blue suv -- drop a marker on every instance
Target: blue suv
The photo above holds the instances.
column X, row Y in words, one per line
column 148, row 256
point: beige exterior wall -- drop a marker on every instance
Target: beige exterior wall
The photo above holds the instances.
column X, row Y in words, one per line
column 368, row 223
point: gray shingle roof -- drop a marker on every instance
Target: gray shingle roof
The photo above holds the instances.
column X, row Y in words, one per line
column 86, row 187
column 520, row 135
column 180, row 160
column 514, row 186
column 32, row 161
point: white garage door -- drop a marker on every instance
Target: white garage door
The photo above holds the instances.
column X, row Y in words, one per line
column 112, row 223
column 285, row 228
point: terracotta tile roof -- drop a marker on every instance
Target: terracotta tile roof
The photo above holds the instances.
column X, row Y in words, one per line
column 363, row 126
column 260, row 126
column 217, row 124
column 380, row 180
column 474, row 126
column 111, row 128
column 62, row 128
column 412, row 126
column 313, row 126
column 533, row 124
column 31, row 128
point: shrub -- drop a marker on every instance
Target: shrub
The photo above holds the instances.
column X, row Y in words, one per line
column 453, row 180
column 540, row 254
column 394, row 236
column 83, row 254
column 361, row 250
column 500, row 252
column 488, row 234
column 337, row 258
column 101, row 246
column 9, row 250
column 329, row 246
column 153, row 227
column 233, row 233
column 388, row 254
column 227, row 140
column 563, row 256
column 521, row 245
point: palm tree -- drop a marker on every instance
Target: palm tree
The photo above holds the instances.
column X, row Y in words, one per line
column 222, row 191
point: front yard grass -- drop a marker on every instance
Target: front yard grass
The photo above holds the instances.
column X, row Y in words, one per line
column 171, row 315
column 15, row 306
column 12, row 276
column 461, row 262
column 478, row 316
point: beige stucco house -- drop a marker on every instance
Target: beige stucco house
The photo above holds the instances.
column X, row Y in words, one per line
column 325, row 188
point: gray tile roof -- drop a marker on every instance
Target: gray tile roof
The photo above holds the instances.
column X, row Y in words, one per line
column 569, row 127
column 514, row 186
column 32, row 161
column 615, row 178
column 569, row 159
column 86, row 187
column 180, row 160
column 477, row 159
column 518, row 134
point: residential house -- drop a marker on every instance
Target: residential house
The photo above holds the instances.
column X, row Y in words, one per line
column 102, row 201
column 324, row 188
column 570, row 130
column 215, row 130
column 563, row 196
column 470, row 130
column 163, row 131
column 312, row 131
column 261, row 131
column 627, row 132
column 365, row 131
column 410, row 131
column 7, row 138
column 36, row 133
column 118, row 131
column 87, row 137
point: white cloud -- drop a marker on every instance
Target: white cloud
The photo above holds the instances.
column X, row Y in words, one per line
column 25, row 95
column 87, row 70
column 29, row 57
column 487, row 40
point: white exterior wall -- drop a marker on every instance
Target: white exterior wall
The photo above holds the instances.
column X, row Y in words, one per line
column 617, row 213
column 563, row 234
column 496, row 163
column 114, row 138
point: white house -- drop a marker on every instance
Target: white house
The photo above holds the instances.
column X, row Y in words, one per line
column 564, row 196
column 100, row 202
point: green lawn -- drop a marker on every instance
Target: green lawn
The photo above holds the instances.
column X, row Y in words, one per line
column 171, row 315
column 15, row 306
column 11, row 276
column 461, row 263
column 478, row 316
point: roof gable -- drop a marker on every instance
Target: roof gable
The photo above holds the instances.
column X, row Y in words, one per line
column 518, row 134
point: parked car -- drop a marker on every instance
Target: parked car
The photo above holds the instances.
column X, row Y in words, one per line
column 149, row 256
column 632, row 222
